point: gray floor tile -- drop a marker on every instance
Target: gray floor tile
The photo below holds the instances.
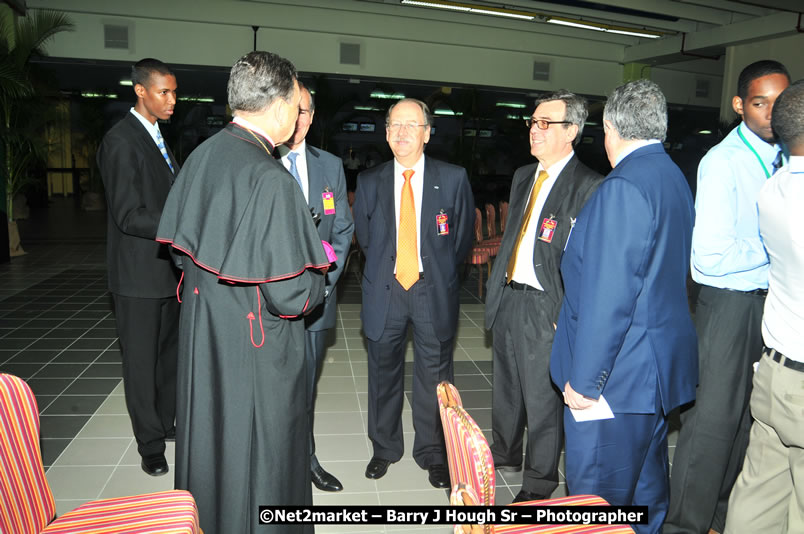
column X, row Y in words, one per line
column 61, row 426
column 74, row 405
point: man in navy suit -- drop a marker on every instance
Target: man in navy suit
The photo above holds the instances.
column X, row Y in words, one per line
column 321, row 178
column 413, row 219
column 138, row 170
column 625, row 333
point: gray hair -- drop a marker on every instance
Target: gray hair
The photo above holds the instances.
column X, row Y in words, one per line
column 576, row 111
column 428, row 117
column 637, row 110
column 258, row 79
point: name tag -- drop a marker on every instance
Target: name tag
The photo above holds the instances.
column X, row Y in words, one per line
column 441, row 224
column 547, row 230
column 329, row 202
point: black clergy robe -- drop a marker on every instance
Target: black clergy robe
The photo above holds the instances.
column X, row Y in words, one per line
column 252, row 259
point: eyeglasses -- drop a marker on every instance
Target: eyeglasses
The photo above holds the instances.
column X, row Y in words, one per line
column 543, row 124
column 398, row 126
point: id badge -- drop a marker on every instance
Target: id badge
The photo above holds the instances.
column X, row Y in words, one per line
column 441, row 224
column 329, row 202
column 547, row 230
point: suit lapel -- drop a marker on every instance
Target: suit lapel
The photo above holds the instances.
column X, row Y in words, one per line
column 146, row 138
column 315, row 181
column 385, row 196
column 520, row 195
column 559, row 189
column 430, row 198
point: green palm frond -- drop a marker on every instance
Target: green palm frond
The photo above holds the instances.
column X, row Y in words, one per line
column 34, row 31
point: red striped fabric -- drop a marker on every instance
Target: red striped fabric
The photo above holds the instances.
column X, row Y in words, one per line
column 471, row 470
column 26, row 503
column 167, row 512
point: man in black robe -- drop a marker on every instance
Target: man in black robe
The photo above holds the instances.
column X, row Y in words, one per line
column 253, row 263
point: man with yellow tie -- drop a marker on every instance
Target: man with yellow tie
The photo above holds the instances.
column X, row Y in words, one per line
column 525, row 293
column 413, row 221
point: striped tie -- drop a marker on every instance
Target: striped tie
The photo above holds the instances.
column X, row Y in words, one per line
column 161, row 144
column 407, row 255
column 528, row 213
column 294, row 170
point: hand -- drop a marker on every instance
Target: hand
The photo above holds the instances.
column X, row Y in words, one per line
column 575, row 400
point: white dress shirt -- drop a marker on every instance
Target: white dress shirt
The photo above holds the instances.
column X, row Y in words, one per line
column 781, row 225
column 417, row 183
column 524, row 271
column 152, row 128
column 301, row 165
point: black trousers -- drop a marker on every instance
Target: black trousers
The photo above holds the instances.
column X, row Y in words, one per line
column 523, row 393
column 149, row 332
column 715, row 428
column 314, row 350
column 432, row 363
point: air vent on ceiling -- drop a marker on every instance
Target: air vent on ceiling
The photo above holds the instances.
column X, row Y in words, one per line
column 350, row 54
column 541, row 71
column 701, row 88
column 115, row 36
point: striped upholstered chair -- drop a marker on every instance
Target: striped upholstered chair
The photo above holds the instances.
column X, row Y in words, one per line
column 480, row 254
column 27, row 505
column 471, row 471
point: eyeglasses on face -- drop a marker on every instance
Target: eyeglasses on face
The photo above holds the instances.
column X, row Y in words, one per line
column 399, row 126
column 543, row 124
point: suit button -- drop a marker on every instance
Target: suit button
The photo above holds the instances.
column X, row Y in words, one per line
column 388, row 287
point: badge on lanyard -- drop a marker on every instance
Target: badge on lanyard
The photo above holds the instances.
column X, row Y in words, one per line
column 441, row 223
column 329, row 201
column 547, row 229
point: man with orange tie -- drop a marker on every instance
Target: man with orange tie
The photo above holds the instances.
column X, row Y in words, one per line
column 413, row 220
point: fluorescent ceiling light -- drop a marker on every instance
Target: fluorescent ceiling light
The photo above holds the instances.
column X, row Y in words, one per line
column 515, row 105
column 705, row 132
column 366, row 108
column 127, row 83
column 501, row 13
column 602, row 28
column 98, row 95
column 387, row 96
column 438, row 5
column 196, row 99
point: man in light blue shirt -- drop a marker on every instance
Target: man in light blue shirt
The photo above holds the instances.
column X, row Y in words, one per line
column 730, row 263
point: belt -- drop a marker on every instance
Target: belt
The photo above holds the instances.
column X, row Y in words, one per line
column 778, row 357
column 521, row 287
column 760, row 292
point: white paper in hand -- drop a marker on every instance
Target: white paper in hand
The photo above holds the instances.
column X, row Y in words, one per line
column 599, row 410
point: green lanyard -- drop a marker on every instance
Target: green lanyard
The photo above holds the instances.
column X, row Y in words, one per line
column 767, row 174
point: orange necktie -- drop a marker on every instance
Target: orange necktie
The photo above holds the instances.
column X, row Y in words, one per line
column 407, row 255
column 528, row 212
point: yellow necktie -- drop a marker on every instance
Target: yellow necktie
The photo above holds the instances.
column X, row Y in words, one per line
column 407, row 255
column 528, row 213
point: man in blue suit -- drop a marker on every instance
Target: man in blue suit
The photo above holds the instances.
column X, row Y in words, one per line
column 413, row 220
column 321, row 178
column 625, row 333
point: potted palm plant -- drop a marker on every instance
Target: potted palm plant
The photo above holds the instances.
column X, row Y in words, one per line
column 20, row 147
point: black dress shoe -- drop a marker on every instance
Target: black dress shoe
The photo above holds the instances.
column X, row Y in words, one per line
column 523, row 496
column 508, row 468
column 439, row 475
column 324, row 481
column 154, row 464
column 377, row 467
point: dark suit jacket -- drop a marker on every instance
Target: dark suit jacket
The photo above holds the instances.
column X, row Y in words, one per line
column 325, row 173
column 568, row 195
column 137, row 180
column 446, row 189
column 625, row 326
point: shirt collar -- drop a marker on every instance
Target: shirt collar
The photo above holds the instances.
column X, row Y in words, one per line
column 634, row 147
column 151, row 127
column 418, row 167
column 240, row 121
column 555, row 169
column 765, row 149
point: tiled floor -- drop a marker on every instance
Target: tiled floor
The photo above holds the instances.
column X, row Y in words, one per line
column 57, row 332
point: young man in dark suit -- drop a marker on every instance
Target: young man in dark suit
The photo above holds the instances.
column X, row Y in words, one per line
column 321, row 178
column 413, row 220
column 525, row 292
column 138, row 169
column 625, row 334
